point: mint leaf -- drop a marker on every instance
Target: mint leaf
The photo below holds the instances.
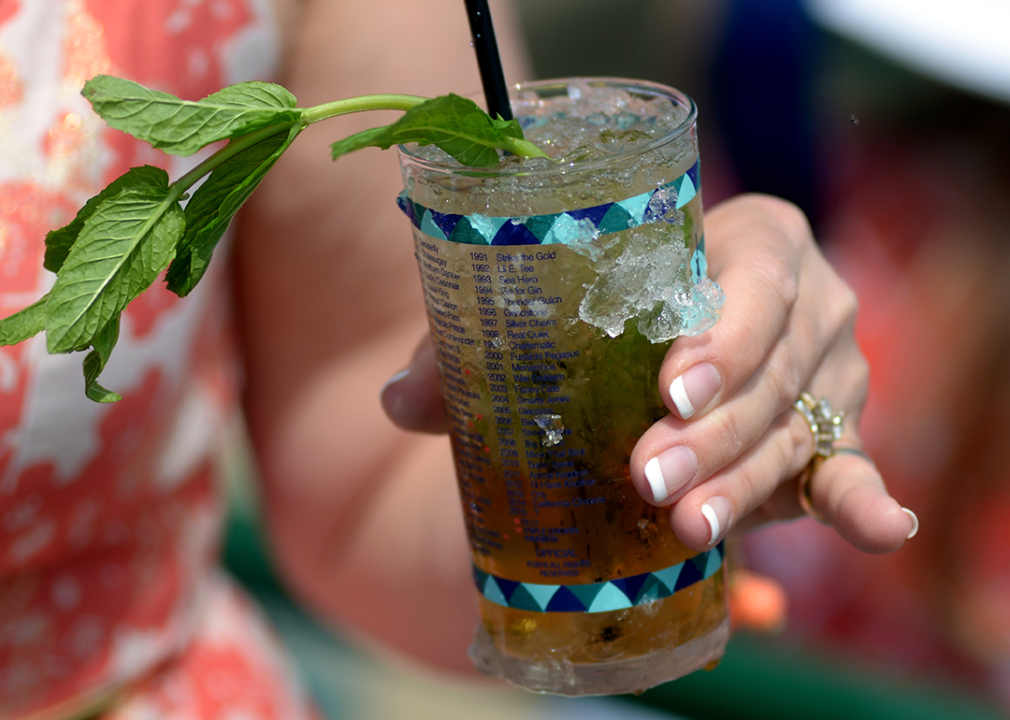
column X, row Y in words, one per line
column 25, row 323
column 59, row 242
column 215, row 203
column 455, row 124
column 96, row 360
column 181, row 127
column 127, row 241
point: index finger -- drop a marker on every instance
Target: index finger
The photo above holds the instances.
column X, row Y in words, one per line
column 757, row 245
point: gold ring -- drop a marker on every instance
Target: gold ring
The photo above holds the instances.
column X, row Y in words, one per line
column 825, row 424
column 803, row 493
column 826, row 427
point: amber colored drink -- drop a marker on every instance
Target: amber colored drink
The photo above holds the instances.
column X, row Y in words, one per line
column 554, row 289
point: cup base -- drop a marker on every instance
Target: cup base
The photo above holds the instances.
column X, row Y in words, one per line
column 633, row 675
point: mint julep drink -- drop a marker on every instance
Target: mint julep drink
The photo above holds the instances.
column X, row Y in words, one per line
column 554, row 289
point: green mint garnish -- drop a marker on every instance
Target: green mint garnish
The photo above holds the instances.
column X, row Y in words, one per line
column 121, row 249
column 59, row 242
column 457, row 125
column 95, row 362
column 138, row 226
column 25, row 323
column 181, row 127
column 214, row 204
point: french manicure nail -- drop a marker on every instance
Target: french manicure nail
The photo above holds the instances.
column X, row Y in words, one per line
column 915, row 524
column 669, row 471
column 395, row 379
column 692, row 390
column 717, row 512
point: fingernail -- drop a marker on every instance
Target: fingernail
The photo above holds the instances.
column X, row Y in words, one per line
column 915, row 523
column 694, row 389
column 669, row 471
column 717, row 512
column 395, row 379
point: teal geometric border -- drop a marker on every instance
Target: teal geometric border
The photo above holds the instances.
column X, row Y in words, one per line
column 603, row 596
column 567, row 227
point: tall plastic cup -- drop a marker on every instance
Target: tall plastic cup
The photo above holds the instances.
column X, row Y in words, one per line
column 554, row 290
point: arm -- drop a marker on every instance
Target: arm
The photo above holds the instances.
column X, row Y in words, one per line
column 364, row 518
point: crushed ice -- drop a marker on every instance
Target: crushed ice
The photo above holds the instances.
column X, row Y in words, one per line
column 662, row 207
column 650, row 282
column 588, row 122
column 552, row 427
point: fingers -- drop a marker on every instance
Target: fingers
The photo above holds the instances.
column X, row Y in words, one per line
column 735, row 379
column 674, row 455
column 846, row 490
column 745, row 465
column 759, row 279
column 707, row 512
column 411, row 398
column 729, row 453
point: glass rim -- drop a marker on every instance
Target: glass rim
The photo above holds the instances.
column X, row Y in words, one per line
column 636, row 86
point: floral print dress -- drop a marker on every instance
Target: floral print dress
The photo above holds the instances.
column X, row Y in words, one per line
column 110, row 518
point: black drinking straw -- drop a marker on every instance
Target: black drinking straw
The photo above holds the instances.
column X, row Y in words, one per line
column 491, row 74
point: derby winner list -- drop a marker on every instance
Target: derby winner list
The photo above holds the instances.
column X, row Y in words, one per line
column 496, row 328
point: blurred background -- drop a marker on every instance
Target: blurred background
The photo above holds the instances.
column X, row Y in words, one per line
column 888, row 123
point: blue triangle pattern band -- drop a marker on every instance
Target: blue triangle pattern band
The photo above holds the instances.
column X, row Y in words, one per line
column 567, row 227
column 603, row 596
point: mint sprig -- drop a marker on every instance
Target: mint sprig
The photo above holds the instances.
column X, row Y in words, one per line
column 181, row 127
column 122, row 248
column 215, row 203
column 455, row 124
column 25, row 323
column 140, row 225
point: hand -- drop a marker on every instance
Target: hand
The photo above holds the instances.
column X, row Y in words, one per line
column 728, row 455
column 787, row 326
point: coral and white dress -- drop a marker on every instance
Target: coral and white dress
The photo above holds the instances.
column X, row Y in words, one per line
column 109, row 514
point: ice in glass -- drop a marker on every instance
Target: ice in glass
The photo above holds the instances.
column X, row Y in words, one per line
column 554, row 289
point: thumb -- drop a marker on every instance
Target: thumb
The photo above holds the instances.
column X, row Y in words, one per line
column 411, row 398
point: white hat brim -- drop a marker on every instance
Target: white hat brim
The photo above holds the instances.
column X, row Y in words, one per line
column 964, row 43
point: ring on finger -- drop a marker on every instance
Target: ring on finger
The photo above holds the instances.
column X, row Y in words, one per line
column 825, row 424
column 847, row 450
column 826, row 427
column 803, row 491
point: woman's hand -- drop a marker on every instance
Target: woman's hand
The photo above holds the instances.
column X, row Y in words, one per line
column 729, row 453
